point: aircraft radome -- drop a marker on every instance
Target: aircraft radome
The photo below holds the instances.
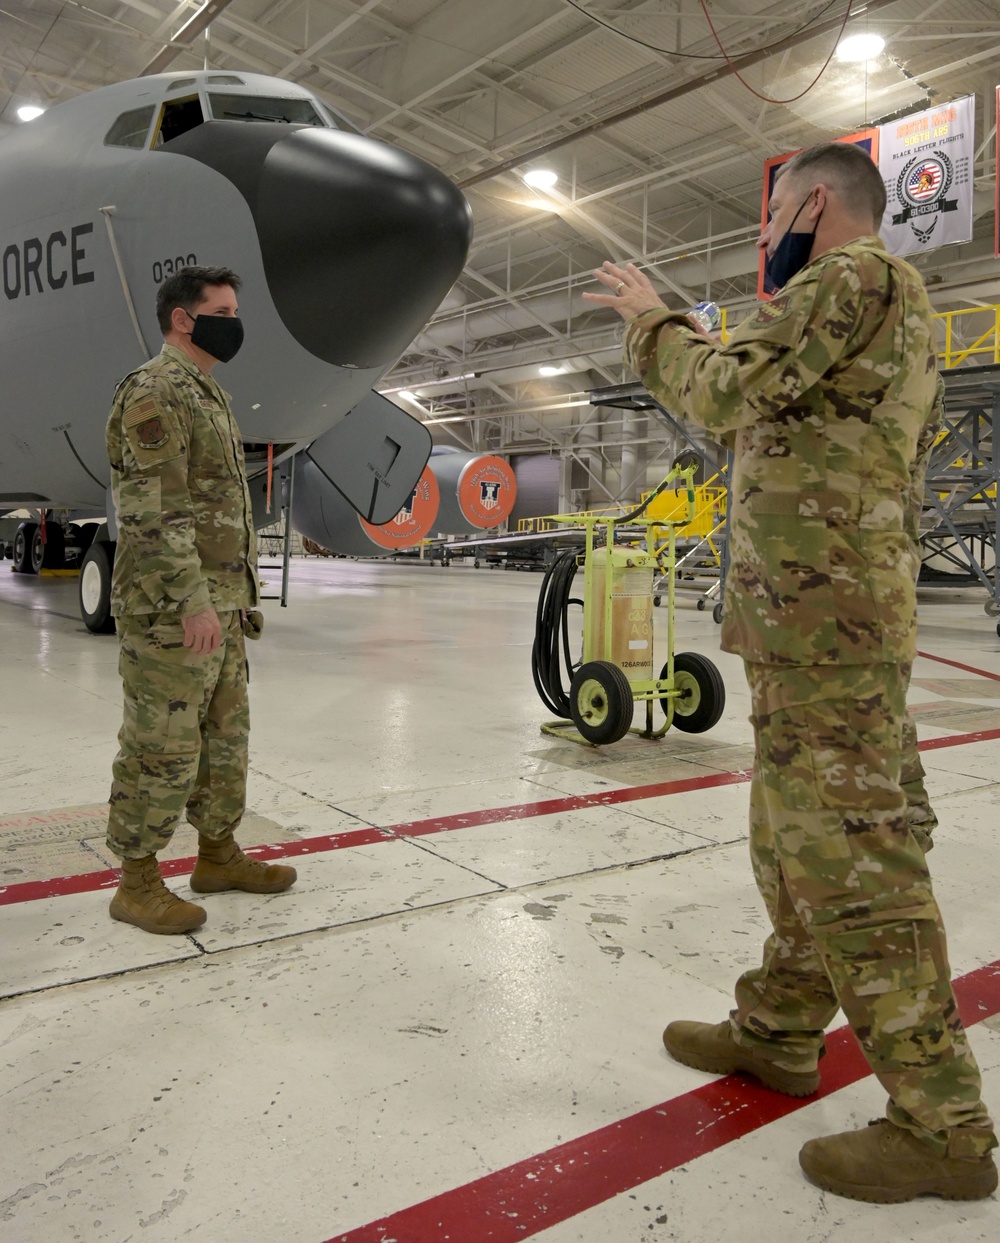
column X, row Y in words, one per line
column 346, row 246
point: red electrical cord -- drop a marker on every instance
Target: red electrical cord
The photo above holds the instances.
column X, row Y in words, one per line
column 766, row 98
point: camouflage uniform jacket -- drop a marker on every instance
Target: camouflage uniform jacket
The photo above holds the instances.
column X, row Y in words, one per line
column 829, row 397
column 185, row 528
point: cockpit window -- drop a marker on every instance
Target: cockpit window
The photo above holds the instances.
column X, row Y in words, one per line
column 226, row 79
column 263, row 108
column 130, row 129
column 179, row 115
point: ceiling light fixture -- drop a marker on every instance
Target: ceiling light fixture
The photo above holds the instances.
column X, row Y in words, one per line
column 541, row 178
column 860, row 47
column 550, row 371
column 28, row 112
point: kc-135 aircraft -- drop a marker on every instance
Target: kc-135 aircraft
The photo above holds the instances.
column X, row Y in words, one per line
column 346, row 246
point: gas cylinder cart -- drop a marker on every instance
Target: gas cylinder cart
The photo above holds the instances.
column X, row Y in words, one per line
column 621, row 556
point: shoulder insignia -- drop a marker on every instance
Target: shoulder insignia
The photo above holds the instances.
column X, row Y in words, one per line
column 768, row 312
column 140, row 413
column 152, row 434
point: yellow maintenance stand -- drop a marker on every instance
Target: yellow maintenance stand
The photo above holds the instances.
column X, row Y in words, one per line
column 622, row 556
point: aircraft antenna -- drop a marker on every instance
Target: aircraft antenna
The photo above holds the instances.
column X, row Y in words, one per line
column 107, row 213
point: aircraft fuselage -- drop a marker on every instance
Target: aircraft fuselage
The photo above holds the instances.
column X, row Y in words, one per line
column 345, row 246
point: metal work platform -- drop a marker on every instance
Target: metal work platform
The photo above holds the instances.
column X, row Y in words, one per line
column 959, row 527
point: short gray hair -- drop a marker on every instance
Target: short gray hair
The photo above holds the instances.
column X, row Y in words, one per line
column 846, row 168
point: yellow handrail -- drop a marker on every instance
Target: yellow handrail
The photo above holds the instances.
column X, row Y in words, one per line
column 987, row 343
column 986, row 346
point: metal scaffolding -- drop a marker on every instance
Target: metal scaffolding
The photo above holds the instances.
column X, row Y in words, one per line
column 958, row 535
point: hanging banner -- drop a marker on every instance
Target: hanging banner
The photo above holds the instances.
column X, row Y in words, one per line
column 868, row 139
column 926, row 164
column 996, row 198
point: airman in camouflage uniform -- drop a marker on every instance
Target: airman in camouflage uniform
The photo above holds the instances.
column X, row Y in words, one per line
column 829, row 398
column 183, row 594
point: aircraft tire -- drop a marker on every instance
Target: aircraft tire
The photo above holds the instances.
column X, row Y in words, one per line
column 704, row 693
column 52, row 554
column 95, row 587
column 83, row 533
column 24, row 538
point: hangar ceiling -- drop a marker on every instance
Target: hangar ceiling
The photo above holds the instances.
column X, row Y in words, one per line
column 656, row 126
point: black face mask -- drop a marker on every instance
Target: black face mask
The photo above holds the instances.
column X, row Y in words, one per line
column 790, row 255
column 218, row 335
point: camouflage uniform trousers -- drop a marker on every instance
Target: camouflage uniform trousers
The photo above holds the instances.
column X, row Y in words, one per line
column 183, row 741
column 838, row 859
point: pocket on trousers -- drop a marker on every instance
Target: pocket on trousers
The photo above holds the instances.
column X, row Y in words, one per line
column 887, row 958
column 252, row 623
column 165, row 684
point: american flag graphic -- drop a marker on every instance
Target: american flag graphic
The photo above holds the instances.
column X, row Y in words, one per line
column 925, row 181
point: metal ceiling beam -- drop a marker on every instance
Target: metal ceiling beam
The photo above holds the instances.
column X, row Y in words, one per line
column 677, row 92
column 187, row 34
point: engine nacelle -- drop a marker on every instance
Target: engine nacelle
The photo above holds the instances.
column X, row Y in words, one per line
column 477, row 491
column 321, row 513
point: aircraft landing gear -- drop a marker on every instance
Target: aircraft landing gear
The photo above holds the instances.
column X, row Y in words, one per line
column 52, row 554
column 24, row 538
column 31, row 554
column 95, row 587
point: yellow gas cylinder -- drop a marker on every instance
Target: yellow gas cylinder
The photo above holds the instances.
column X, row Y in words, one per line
column 630, row 587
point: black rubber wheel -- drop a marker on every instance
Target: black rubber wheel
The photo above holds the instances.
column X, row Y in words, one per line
column 700, row 604
column 24, row 538
column 95, row 588
column 704, row 694
column 717, row 614
column 600, row 702
column 656, row 602
column 82, row 535
column 52, row 554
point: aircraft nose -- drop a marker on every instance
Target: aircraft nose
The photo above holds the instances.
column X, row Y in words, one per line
column 360, row 241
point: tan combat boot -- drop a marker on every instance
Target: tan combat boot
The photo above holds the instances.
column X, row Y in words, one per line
column 144, row 900
column 711, row 1047
column 886, row 1165
column 222, row 865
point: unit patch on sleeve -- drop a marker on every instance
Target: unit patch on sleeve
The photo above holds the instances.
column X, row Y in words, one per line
column 151, row 434
column 147, row 420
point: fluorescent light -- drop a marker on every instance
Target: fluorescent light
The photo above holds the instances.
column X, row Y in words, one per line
column 28, row 112
column 407, row 395
column 860, row 47
column 541, row 178
column 549, row 371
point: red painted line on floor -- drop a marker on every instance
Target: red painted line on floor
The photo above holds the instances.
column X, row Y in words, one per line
column 983, row 673
column 33, row 891
column 88, row 882
column 530, row 1196
column 959, row 740
column 569, row 802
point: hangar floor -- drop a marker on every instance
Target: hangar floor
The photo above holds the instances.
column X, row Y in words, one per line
column 450, row 1028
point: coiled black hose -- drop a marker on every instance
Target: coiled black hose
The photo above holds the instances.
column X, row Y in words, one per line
column 551, row 658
